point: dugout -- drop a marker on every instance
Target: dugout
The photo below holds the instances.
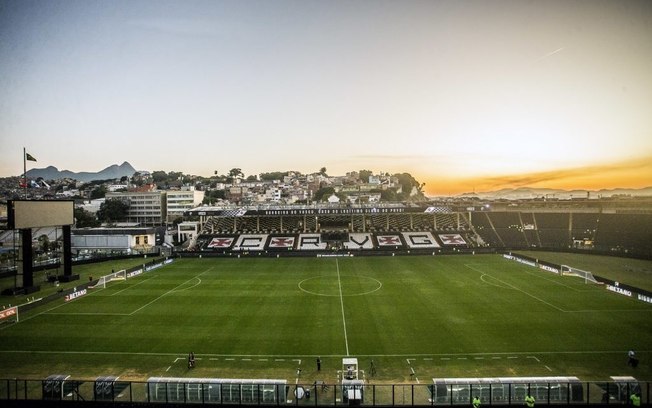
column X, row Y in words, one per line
column 216, row 390
column 107, row 388
column 620, row 389
column 506, row 390
column 58, row 387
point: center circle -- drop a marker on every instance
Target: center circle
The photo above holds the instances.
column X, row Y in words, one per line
column 348, row 285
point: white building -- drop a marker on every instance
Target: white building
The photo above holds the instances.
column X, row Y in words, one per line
column 145, row 208
column 113, row 240
column 180, row 201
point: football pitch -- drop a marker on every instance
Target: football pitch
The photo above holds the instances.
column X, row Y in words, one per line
column 415, row 317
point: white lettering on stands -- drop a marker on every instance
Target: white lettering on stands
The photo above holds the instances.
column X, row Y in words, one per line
column 523, row 261
column 4, row 314
column 619, row 290
column 134, row 273
column 549, row 268
column 645, row 298
column 75, row 295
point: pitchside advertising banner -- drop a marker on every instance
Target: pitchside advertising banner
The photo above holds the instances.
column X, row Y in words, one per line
column 7, row 313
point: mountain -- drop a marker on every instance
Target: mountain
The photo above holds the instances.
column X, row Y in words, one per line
column 548, row 193
column 109, row 173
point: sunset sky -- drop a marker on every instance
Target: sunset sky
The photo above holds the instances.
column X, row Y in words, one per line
column 465, row 95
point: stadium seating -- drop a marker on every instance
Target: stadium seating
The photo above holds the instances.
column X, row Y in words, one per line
column 605, row 232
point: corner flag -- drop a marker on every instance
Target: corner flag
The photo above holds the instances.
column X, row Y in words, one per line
column 29, row 157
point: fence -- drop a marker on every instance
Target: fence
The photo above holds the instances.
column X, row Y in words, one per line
column 320, row 394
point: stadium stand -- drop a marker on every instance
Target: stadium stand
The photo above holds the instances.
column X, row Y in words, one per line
column 575, row 229
column 508, row 226
column 628, row 233
column 485, row 229
column 554, row 230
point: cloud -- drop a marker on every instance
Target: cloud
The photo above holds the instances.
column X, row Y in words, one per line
column 612, row 172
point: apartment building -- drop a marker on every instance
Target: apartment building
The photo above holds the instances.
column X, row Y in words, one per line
column 145, row 208
column 182, row 200
column 151, row 208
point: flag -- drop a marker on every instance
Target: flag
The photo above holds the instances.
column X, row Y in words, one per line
column 29, row 157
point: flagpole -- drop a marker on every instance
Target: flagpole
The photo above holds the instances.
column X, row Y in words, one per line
column 25, row 171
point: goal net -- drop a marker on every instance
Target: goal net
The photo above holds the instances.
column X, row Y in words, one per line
column 120, row 275
column 570, row 271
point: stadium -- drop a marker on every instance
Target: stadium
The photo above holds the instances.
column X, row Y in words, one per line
column 327, row 305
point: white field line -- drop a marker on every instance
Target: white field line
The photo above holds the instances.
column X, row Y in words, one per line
column 450, row 356
column 545, row 277
column 167, row 293
column 99, row 314
column 516, row 288
column 132, row 286
column 339, row 283
column 510, row 286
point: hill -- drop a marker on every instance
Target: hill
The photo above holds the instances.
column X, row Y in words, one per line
column 111, row 172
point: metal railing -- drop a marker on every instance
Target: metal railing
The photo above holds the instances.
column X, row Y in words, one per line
column 318, row 394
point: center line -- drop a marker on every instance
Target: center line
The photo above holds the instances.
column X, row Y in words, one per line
column 339, row 283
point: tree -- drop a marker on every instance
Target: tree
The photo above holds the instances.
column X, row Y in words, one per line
column 213, row 195
column 98, row 192
column 323, row 193
column 364, row 175
column 113, row 210
column 275, row 175
column 159, row 176
column 85, row 219
column 407, row 182
column 322, row 171
column 44, row 243
column 235, row 173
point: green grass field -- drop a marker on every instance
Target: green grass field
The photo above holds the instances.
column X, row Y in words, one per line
column 442, row 316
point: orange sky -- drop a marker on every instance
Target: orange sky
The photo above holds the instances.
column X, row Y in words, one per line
column 635, row 173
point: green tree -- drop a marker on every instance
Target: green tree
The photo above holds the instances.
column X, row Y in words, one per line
column 322, row 171
column 388, row 195
column 159, row 176
column 364, row 175
column 98, row 192
column 323, row 193
column 212, row 196
column 407, row 182
column 235, row 173
column 85, row 219
column 44, row 243
column 113, row 210
column 275, row 175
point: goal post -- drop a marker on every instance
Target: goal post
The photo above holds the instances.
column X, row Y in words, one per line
column 120, row 275
column 571, row 271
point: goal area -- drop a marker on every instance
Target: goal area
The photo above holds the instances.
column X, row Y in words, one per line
column 567, row 270
column 115, row 276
